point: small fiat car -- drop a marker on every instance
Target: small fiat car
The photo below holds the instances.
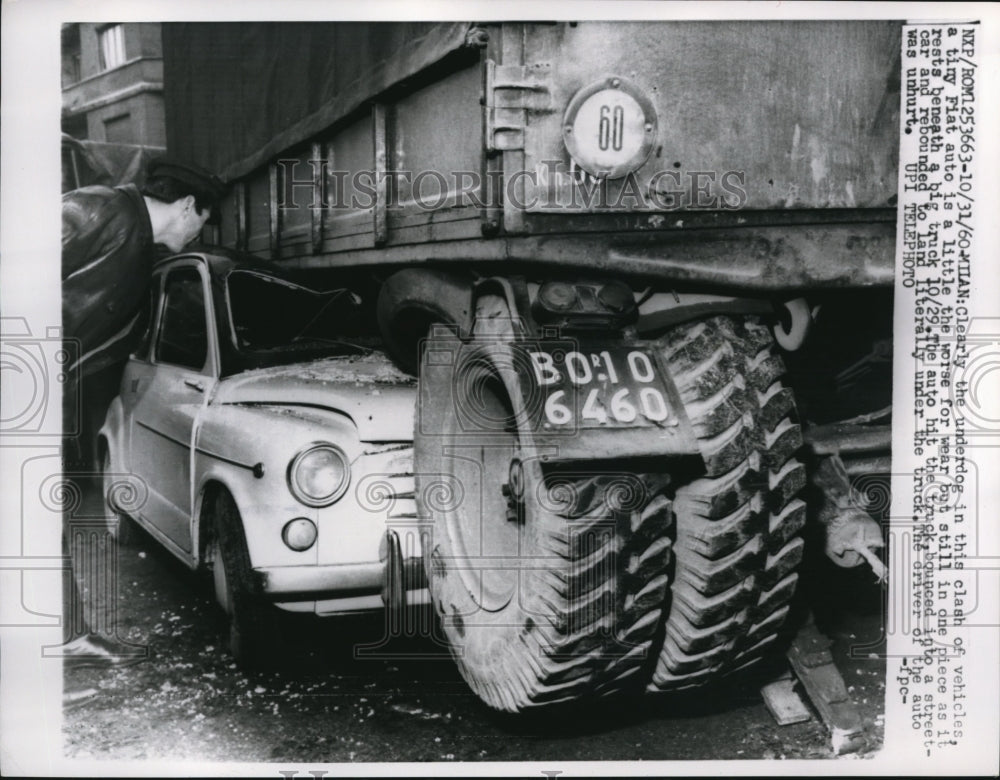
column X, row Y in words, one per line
column 251, row 438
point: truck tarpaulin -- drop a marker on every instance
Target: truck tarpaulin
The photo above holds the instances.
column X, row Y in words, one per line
column 86, row 162
column 240, row 93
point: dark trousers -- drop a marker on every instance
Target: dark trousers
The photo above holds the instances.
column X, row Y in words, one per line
column 90, row 582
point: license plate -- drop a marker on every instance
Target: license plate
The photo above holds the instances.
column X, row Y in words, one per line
column 612, row 386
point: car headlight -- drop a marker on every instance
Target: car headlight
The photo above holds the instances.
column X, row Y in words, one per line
column 319, row 475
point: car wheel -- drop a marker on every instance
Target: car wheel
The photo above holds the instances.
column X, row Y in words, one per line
column 119, row 493
column 253, row 626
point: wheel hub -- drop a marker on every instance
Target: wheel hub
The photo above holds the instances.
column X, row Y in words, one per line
column 513, row 491
column 486, row 529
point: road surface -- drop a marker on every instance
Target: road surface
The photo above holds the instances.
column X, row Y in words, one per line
column 188, row 700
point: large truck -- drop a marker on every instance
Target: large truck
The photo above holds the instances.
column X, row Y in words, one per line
column 643, row 273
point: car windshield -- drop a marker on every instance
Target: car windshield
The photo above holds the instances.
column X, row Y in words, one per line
column 270, row 314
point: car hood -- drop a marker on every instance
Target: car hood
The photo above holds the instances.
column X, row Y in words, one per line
column 376, row 395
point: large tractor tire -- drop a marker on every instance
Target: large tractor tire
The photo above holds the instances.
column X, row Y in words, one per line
column 737, row 544
column 554, row 585
column 548, row 584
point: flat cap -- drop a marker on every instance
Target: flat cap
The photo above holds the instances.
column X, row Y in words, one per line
column 203, row 183
column 193, row 175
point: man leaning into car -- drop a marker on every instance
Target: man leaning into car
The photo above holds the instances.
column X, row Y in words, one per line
column 110, row 239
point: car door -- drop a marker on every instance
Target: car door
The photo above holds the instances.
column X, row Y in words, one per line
column 183, row 370
column 139, row 371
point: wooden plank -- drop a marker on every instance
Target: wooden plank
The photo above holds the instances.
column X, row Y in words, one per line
column 274, row 203
column 813, row 664
column 316, row 208
column 241, row 216
column 784, row 702
column 381, row 166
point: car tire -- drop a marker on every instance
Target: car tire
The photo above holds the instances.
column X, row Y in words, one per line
column 119, row 493
column 253, row 630
column 583, row 620
column 738, row 543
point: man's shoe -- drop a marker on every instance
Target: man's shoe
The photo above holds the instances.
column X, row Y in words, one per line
column 73, row 699
column 99, row 651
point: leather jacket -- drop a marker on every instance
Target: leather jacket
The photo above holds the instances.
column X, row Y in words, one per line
column 107, row 263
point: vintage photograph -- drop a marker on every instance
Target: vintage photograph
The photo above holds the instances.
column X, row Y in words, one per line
column 489, row 328
column 479, row 391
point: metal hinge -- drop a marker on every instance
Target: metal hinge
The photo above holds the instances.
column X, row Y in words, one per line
column 509, row 93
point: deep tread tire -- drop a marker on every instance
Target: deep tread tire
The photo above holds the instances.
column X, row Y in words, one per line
column 737, row 542
column 584, row 623
column 644, row 586
column 254, row 636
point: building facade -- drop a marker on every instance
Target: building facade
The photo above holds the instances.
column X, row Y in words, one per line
column 112, row 83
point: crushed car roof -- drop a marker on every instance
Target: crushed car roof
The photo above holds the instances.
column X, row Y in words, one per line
column 221, row 261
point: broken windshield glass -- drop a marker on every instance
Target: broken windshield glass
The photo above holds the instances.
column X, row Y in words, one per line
column 269, row 313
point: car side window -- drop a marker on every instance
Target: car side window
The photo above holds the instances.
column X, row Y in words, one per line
column 183, row 337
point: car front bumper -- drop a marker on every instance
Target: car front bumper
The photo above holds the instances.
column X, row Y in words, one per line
column 311, row 583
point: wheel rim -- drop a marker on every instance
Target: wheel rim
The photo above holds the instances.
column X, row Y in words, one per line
column 490, row 521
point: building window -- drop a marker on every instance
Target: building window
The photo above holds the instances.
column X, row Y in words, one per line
column 75, row 125
column 70, row 54
column 118, row 130
column 111, row 44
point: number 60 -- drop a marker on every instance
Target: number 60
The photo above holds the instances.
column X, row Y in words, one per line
column 610, row 131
